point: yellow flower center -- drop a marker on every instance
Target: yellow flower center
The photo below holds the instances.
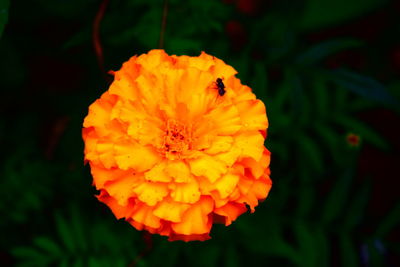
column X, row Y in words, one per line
column 177, row 140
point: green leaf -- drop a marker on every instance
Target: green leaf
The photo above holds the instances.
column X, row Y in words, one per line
column 48, row 246
column 305, row 239
column 65, row 233
column 180, row 45
column 366, row 133
column 331, row 139
column 231, row 256
column 348, row 252
column 389, row 222
column 260, row 76
column 78, row 230
column 320, row 91
column 322, row 50
column 265, row 236
column 322, row 245
column 363, row 85
column 27, row 253
column 282, row 93
column 337, row 198
column 305, row 201
column 357, row 208
column 309, row 153
column 4, row 5
column 319, row 14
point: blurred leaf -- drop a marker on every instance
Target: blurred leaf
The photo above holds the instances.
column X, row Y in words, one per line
column 65, row 233
column 341, row 99
column 366, row 133
column 205, row 254
column 305, row 201
column 322, row 50
column 4, row 4
column 305, row 239
column 320, row 92
column 178, row 45
column 322, row 243
column 318, row 14
column 231, row 256
column 48, row 245
column 265, row 236
column 260, row 78
column 357, row 208
column 27, row 253
column 282, row 93
column 391, row 221
column 348, row 251
column 309, row 152
column 363, row 86
column 337, row 198
column 82, row 36
column 330, row 138
column 78, row 231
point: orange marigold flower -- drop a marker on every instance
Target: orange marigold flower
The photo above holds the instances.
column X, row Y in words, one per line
column 177, row 144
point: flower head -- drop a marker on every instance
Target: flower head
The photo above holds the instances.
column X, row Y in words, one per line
column 172, row 149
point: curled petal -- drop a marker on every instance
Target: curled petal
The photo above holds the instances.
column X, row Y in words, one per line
column 195, row 221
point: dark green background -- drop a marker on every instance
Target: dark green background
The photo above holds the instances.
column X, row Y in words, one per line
column 324, row 68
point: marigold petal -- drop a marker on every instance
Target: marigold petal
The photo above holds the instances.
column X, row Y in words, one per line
column 258, row 190
column 179, row 171
column 252, row 115
column 151, row 193
column 226, row 184
column 226, row 120
column 188, row 238
column 129, row 155
column 220, row 144
column 207, row 166
column 122, row 188
column 231, row 211
column 158, row 174
column 195, row 220
column 170, row 210
column 251, row 144
column 102, row 175
column 143, row 214
column 119, row 211
column 257, row 168
column 185, row 192
column 99, row 111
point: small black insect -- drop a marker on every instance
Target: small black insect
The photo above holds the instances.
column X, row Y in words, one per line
column 220, row 87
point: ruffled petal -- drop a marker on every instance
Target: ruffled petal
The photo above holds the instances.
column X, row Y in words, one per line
column 185, row 192
column 122, row 188
column 120, row 211
column 252, row 115
column 151, row 193
column 130, row 155
column 158, row 174
column 170, row 210
column 207, row 166
column 144, row 215
column 195, row 220
column 178, row 171
column 226, row 184
column 231, row 211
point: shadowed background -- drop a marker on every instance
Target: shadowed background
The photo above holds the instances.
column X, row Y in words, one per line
column 324, row 69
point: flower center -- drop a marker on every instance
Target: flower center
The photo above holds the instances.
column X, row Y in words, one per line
column 177, row 139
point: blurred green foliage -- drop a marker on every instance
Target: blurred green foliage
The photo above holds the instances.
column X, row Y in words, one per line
column 317, row 207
